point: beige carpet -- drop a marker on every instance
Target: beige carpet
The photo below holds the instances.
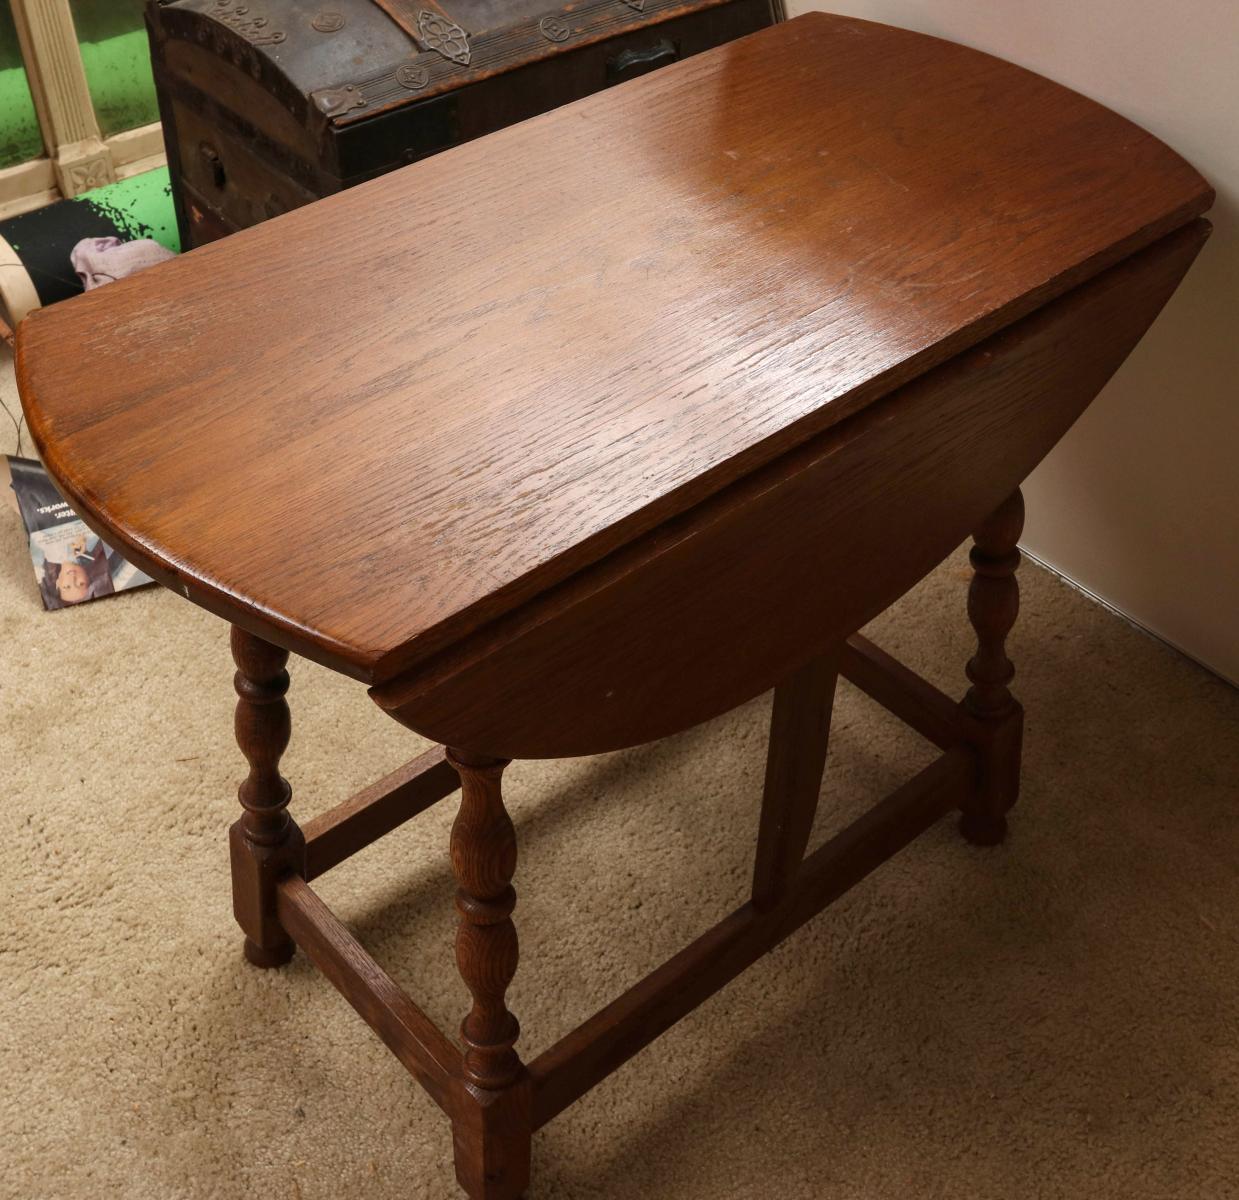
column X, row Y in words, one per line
column 1055, row 1018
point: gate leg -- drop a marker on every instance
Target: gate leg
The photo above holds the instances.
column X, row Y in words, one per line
column 799, row 733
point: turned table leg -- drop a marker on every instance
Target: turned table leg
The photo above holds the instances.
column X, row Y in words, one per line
column 492, row 1136
column 993, row 604
column 265, row 843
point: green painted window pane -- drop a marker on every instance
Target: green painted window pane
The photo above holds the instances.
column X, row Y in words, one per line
column 118, row 62
column 20, row 139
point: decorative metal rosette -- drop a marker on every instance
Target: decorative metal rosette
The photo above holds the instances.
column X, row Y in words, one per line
column 436, row 32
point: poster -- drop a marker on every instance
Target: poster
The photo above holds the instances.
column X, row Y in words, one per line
column 71, row 564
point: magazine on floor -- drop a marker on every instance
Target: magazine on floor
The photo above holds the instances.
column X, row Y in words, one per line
column 71, row 564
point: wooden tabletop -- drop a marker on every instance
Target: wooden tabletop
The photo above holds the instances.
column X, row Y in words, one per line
column 372, row 425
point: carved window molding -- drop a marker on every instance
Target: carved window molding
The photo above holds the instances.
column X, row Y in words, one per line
column 78, row 156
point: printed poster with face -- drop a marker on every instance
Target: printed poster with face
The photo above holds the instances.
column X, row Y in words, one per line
column 71, row 564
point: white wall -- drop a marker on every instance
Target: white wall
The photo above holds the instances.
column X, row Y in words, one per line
column 1140, row 502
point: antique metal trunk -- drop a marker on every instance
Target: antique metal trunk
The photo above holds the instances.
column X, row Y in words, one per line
column 269, row 104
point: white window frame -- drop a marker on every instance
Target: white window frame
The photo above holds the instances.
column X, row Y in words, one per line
column 78, row 157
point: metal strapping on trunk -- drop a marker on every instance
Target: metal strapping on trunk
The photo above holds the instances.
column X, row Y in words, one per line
column 430, row 27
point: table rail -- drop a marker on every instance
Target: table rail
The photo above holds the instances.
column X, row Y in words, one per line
column 587, row 1055
column 385, row 805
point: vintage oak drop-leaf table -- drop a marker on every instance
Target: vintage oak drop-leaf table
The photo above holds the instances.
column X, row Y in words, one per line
column 590, row 430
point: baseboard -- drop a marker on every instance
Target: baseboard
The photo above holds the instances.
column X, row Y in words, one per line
column 1109, row 606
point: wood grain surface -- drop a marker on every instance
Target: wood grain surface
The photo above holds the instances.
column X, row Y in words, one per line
column 367, row 428
column 729, row 600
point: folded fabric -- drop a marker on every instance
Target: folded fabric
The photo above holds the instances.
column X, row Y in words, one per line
column 105, row 259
